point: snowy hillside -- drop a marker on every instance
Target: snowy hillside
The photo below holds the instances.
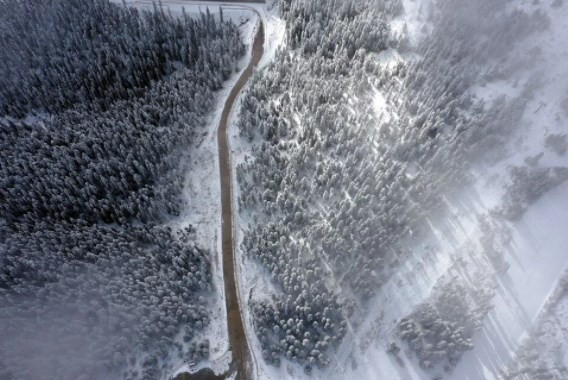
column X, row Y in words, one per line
column 465, row 106
column 296, row 189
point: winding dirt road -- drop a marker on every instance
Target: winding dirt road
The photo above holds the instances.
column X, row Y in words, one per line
column 241, row 354
column 241, row 365
column 237, row 335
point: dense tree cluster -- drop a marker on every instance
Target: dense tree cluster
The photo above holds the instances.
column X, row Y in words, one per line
column 118, row 159
column 98, row 105
column 527, row 185
column 341, row 182
column 304, row 323
column 302, row 84
column 440, row 329
column 121, row 287
column 328, row 26
column 58, row 54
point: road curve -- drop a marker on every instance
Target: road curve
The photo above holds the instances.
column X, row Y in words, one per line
column 241, row 364
column 237, row 336
column 241, row 354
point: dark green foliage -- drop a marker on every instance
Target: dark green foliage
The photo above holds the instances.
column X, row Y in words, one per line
column 58, row 54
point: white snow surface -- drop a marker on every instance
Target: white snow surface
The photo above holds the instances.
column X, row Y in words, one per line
column 537, row 254
column 203, row 191
column 204, row 199
column 253, row 283
column 203, row 186
column 415, row 18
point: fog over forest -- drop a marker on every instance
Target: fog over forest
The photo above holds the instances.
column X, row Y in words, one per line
column 396, row 189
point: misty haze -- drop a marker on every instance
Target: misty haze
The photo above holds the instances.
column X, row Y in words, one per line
column 283, row 189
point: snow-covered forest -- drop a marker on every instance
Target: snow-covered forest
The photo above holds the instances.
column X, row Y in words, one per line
column 98, row 105
column 362, row 132
column 326, row 189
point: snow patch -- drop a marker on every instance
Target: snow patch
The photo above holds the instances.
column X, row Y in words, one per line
column 202, row 191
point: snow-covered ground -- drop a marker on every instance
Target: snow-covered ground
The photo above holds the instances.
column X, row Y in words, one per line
column 414, row 19
column 204, row 198
column 202, row 190
column 537, row 250
column 203, row 186
column 544, row 352
column 239, row 13
column 253, row 284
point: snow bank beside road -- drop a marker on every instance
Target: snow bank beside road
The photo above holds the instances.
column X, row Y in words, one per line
column 204, row 200
column 202, row 187
column 253, row 284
